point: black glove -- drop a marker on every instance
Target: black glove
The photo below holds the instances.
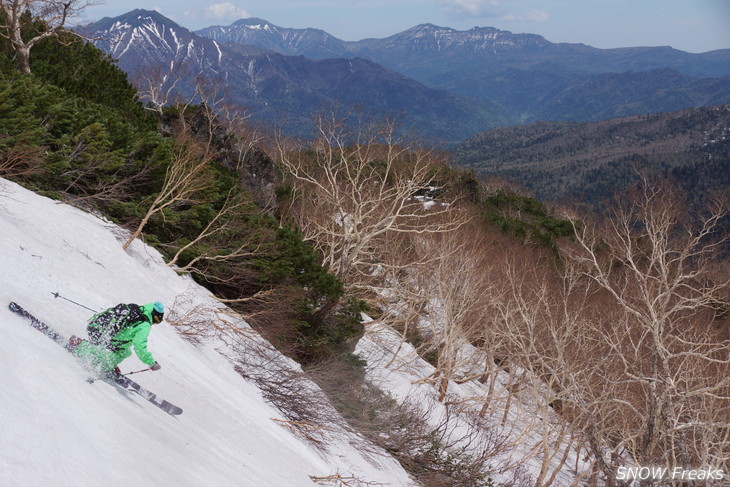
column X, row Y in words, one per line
column 156, row 366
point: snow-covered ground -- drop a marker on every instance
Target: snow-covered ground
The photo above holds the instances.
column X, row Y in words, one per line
column 56, row 429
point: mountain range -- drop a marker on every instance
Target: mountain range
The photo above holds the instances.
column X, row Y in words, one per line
column 283, row 89
column 444, row 84
column 534, row 79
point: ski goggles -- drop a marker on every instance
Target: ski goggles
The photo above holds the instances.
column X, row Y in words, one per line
column 156, row 317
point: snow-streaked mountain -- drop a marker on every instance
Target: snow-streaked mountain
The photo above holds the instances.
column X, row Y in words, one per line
column 516, row 71
column 146, row 35
column 427, row 39
column 277, row 88
column 444, row 83
column 448, row 47
column 312, row 43
column 434, row 40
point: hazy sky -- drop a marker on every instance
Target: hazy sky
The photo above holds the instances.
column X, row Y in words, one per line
column 689, row 25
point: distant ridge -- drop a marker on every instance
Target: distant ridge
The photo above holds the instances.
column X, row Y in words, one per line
column 311, row 43
column 589, row 162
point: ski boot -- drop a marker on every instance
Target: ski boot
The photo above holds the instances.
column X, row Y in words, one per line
column 73, row 343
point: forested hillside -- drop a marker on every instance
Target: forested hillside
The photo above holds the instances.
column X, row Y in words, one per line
column 589, row 163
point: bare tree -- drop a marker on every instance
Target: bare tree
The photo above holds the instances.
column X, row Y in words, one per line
column 544, row 341
column 186, row 177
column 223, row 222
column 663, row 394
column 19, row 14
column 157, row 85
column 456, row 291
column 20, row 160
column 217, row 115
column 624, row 338
column 355, row 187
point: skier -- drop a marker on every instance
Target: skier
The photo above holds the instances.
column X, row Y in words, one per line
column 113, row 332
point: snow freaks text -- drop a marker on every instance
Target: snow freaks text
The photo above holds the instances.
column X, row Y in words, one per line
column 669, row 473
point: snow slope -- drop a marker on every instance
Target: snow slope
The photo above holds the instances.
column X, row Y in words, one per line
column 57, row 429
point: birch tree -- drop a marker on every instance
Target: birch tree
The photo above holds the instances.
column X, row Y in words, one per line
column 668, row 400
column 185, row 178
column 158, row 85
column 544, row 332
column 356, row 186
column 628, row 335
column 18, row 25
column 456, row 288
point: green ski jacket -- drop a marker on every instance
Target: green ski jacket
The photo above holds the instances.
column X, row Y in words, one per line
column 134, row 335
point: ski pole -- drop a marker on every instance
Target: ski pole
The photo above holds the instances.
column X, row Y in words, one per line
column 74, row 302
column 137, row 371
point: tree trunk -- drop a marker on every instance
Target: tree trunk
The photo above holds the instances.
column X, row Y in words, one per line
column 23, row 59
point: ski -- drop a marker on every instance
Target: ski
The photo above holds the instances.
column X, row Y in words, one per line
column 39, row 325
column 119, row 379
column 131, row 385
